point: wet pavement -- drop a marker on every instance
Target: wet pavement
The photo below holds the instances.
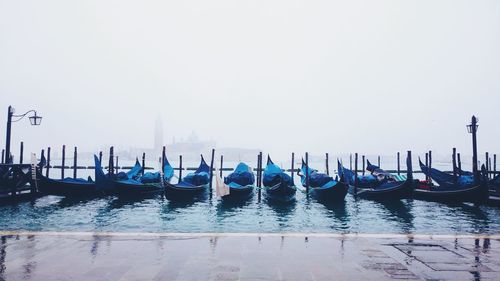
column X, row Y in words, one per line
column 129, row 256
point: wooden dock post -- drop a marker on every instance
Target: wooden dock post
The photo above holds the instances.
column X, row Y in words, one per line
column 350, row 161
column 211, row 171
column 117, row 168
column 363, row 165
column 180, row 168
column 459, row 162
column 427, row 164
column 307, row 173
column 111, row 161
column 355, row 168
column 327, row 167
column 430, row 163
column 75, row 161
column 221, row 164
column 143, row 163
column 48, row 162
column 63, row 161
column 486, row 163
column 409, row 166
column 495, row 164
column 21, row 153
column 163, row 157
column 454, row 162
column 292, row 172
column 399, row 164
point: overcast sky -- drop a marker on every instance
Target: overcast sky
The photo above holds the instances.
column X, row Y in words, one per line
column 281, row 76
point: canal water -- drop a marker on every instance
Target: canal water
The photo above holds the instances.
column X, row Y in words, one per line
column 157, row 214
column 52, row 213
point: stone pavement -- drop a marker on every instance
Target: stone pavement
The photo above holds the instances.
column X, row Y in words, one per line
column 129, row 256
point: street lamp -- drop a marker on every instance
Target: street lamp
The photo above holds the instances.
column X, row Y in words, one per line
column 35, row 120
column 472, row 129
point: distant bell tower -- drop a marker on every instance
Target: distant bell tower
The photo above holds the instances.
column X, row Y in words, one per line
column 158, row 134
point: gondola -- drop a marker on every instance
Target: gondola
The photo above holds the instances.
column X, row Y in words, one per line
column 450, row 189
column 278, row 186
column 193, row 185
column 241, row 183
column 321, row 186
column 64, row 187
column 124, row 184
column 379, row 185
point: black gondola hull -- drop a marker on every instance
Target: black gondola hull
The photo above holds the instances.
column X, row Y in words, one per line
column 174, row 192
column 474, row 194
column 332, row 194
column 50, row 186
column 281, row 192
column 401, row 191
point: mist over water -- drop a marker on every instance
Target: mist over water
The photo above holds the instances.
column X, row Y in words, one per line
column 280, row 76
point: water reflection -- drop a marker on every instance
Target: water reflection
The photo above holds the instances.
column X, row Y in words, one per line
column 400, row 212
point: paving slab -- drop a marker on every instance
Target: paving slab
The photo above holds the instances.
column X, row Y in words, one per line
column 250, row 256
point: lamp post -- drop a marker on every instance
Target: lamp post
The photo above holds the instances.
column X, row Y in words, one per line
column 472, row 129
column 35, row 120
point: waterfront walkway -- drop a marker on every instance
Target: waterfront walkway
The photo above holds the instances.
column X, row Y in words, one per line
column 129, row 256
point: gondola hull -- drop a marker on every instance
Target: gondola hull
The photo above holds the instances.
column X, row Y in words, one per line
column 239, row 194
column 50, row 186
column 281, row 192
column 176, row 192
column 402, row 190
column 474, row 194
column 331, row 194
column 132, row 189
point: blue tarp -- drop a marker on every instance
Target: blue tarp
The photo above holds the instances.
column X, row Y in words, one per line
column 242, row 176
column 315, row 179
column 151, row 177
column 273, row 175
column 444, row 179
column 200, row 177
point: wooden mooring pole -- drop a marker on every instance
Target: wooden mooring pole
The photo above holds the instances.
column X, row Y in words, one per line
column 111, row 161
column 355, row 168
column 363, row 164
column 221, row 164
column 180, row 168
column 75, row 161
column 350, row 161
column 3, row 156
column 430, row 162
column 399, row 164
column 307, row 172
column 378, row 161
column 292, row 171
column 454, row 162
column 211, row 171
column 495, row 164
column 143, row 163
column 63, row 161
column 327, row 165
column 486, row 163
column 48, row 162
column 427, row 164
column 459, row 162
column 21, row 153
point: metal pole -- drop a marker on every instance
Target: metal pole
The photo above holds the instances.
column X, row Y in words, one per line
column 474, row 148
column 10, row 112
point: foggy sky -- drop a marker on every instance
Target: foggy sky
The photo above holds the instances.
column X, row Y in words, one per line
column 281, row 76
